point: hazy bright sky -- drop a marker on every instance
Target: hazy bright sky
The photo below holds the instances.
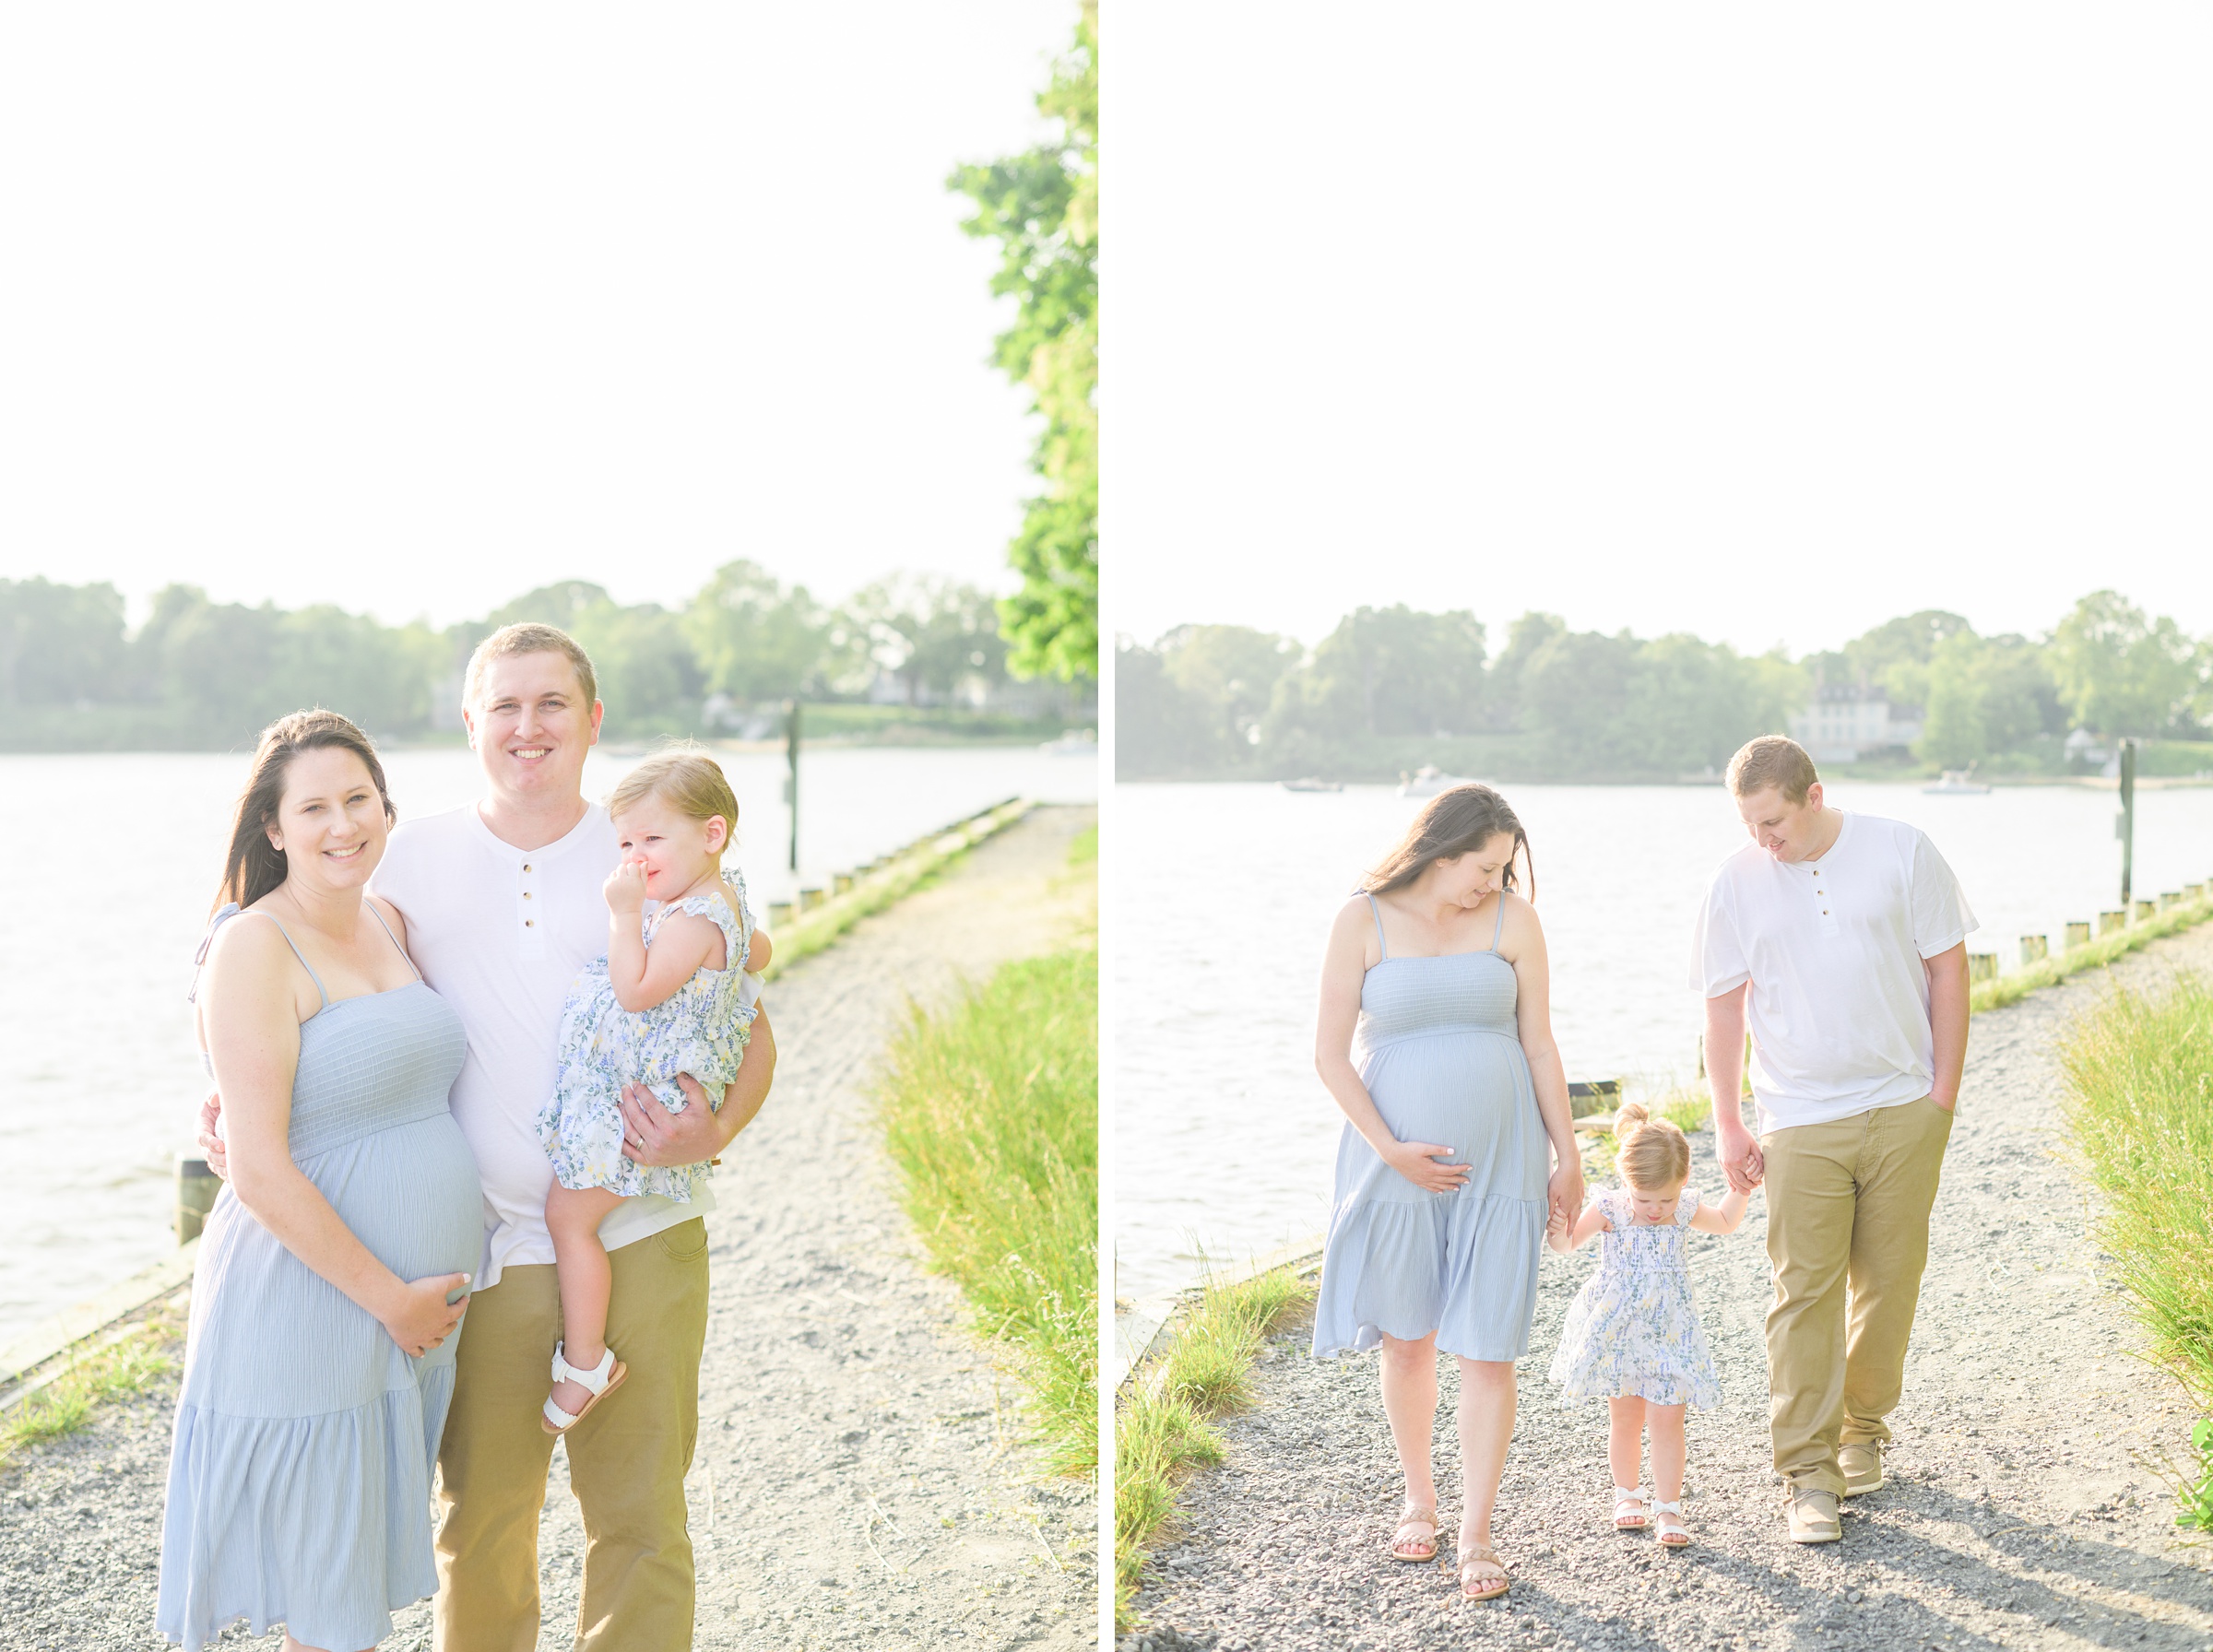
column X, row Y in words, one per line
column 1767, row 323
column 410, row 307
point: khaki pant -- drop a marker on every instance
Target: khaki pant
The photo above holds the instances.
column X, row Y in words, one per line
column 1847, row 1208
column 627, row 1461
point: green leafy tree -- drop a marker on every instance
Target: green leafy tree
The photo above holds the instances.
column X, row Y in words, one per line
column 1390, row 671
column 1955, row 731
column 216, row 659
column 1228, row 674
column 60, row 645
column 1159, row 728
column 755, row 639
column 1042, row 209
column 933, row 634
column 1895, row 656
column 2120, row 672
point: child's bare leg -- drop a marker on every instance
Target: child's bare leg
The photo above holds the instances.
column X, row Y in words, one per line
column 572, row 1217
column 1625, row 1440
column 1669, row 1449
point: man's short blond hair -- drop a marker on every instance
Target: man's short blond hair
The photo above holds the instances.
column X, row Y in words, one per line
column 511, row 639
column 1773, row 759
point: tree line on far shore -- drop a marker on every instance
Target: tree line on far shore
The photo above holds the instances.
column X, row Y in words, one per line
column 198, row 673
column 1391, row 689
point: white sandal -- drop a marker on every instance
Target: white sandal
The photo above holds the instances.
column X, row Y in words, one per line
column 1628, row 1508
column 1668, row 1516
column 602, row 1380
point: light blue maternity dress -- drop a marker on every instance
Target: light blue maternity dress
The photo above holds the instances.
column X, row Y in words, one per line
column 1441, row 1056
column 299, row 1479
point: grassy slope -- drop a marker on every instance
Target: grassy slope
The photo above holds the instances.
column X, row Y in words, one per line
column 990, row 1112
column 2139, row 1110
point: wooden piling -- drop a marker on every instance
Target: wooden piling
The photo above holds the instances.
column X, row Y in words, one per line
column 2145, row 911
column 196, row 1189
column 2034, row 948
column 779, row 914
column 2079, row 934
column 840, row 882
column 2111, row 923
column 1594, row 1095
column 1981, row 966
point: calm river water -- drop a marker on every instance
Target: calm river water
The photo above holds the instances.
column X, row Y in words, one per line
column 107, row 862
column 1223, row 897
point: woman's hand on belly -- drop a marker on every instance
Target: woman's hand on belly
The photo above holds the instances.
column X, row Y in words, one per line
column 1417, row 1162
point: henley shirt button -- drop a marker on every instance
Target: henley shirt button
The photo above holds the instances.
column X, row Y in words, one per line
column 525, row 865
column 529, row 923
column 526, row 894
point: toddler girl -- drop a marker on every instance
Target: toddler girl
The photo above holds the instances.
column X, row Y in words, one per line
column 1631, row 1335
column 669, row 997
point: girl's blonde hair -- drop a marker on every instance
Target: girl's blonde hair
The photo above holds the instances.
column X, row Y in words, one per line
column 1653, row 1153
column 686, row 779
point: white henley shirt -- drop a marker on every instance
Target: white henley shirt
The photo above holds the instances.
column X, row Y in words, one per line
column 500, row 933
column 1838, row 1008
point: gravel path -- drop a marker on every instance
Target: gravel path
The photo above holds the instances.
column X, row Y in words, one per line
column 859, row 1478
column 2020, row 1510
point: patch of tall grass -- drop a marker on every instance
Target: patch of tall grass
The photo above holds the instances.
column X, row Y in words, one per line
column 990, row 1112
column 2139, row 1110
column 130, row 1366
column 1164, row 1421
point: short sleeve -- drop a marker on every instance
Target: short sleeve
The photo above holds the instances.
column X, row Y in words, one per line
column 1941, row 918
column 1687, row 1206
column 1717, row 953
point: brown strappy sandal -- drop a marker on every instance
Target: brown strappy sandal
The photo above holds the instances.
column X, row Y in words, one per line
column 1416, row 1516
column 1482, row 1554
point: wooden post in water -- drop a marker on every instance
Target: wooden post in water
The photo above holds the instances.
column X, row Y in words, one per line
column 2079, row 934
column 2126, row 827
column 196, row 1189
column 791, row 781
column 2034, row 950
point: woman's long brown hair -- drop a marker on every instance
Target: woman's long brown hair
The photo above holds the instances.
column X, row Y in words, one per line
column 255, row 866
column 1457, row 822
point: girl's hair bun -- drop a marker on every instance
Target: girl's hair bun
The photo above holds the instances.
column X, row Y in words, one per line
column 1653, row 1152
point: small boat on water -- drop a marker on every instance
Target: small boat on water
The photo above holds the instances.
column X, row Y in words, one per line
column 1308, row 782
column 1427, row 781
column 1957, row 782
column 1076, row 742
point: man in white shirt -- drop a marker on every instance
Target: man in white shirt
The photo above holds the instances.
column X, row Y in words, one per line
column 1840, row 940
column 503, row 906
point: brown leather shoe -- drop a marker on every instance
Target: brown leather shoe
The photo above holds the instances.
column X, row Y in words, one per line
column 1862, row 1465
column 1812, row 1515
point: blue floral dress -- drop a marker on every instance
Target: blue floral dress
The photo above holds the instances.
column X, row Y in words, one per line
column 1631, row 1329
column 700, row 1029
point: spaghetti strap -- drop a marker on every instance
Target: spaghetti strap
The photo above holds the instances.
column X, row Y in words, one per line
column 390, row 937
column 300, row 956
column 1499, row 927
column 1380, row 942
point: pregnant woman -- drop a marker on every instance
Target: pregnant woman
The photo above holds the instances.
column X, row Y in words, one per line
column 1435, row 974
column 328, row 1290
